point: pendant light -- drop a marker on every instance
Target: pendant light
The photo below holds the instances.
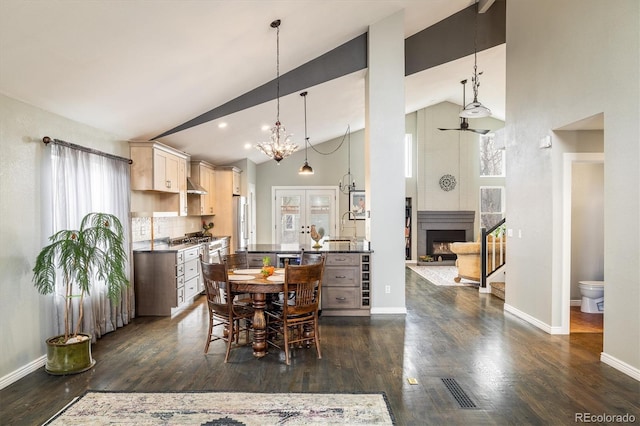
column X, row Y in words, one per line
column 279, row 145
column 306, row 169
column 348, row 184
column 475, row 109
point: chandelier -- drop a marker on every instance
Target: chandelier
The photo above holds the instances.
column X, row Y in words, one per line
column 347, row 184
column 306, row 169
column 475, row 109
column 279, row 145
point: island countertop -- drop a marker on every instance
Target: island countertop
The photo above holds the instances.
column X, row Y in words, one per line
column 327, row 247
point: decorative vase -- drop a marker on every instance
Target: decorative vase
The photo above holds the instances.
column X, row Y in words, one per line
column 68, row 358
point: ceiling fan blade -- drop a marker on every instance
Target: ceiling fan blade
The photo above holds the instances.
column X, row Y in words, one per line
column 448, row 129
column 479, row 131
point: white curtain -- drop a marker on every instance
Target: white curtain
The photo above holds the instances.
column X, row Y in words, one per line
column 84, row 182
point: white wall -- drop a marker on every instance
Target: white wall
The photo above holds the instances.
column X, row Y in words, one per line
column 24, row 314
column 566, row 61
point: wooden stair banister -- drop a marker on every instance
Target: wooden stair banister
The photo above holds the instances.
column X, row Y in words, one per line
column 497, row 252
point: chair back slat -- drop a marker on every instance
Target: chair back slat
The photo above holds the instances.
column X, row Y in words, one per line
column 237, row 260
column 305, row 282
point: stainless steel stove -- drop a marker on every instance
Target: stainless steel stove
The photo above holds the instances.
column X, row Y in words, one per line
column 192, row 238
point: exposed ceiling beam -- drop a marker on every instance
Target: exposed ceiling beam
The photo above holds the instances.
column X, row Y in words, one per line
column 484, row 5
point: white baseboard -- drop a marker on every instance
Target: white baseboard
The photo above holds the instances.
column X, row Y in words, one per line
column 533, row 321
column 622, row 366
column 486, row 289
column 388, row 311
column 21, row 372
column 575, row 302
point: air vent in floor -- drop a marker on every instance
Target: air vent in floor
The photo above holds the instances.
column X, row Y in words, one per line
column 458, row 393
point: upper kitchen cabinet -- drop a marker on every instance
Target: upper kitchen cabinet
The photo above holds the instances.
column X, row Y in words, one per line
column 203, row 174
column 228, row 180
column 157, row 167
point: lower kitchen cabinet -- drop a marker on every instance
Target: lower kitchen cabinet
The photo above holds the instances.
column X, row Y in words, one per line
column 164, row 280
column 342, row 286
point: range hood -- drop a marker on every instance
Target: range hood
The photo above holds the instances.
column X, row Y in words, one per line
column 194, row 188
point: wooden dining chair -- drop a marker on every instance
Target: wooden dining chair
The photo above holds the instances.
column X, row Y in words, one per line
column 238, row 260
column 222, row 309
column 297, row 321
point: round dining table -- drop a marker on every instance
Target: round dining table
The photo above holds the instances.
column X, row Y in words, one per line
column 251, row 281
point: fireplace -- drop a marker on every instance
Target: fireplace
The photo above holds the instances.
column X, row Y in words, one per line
column 438, row 242
column 437, row 229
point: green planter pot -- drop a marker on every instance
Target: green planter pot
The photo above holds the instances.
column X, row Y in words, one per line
column 68, row 358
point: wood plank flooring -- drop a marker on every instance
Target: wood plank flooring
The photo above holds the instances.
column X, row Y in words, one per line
column 585, row 323
column 513, row 372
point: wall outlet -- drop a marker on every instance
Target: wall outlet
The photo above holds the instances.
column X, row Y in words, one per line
column 387, row 289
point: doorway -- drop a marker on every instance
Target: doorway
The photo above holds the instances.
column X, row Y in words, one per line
column 296, row 209
column 583, row 236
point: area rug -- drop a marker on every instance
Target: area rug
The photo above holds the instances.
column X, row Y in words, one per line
column 441, row 275
column 225, row 408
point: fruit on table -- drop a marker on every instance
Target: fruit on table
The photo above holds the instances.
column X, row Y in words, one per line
column 267, row 271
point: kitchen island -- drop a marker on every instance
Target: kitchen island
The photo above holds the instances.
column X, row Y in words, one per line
column 347, row 275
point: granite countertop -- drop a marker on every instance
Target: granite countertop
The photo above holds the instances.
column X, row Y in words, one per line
column 162, row 245
column 327, row 247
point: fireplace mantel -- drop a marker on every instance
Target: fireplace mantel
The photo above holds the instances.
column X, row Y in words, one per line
column 443, row 220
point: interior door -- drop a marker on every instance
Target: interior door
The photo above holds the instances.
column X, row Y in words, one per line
column 297, row 208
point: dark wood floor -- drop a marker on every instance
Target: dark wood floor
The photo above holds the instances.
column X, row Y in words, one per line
column 513, row 372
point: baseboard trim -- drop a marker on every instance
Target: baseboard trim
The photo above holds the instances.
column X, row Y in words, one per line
column 532, row 320
column 486, row 289
column 575, row 302
column 23, row 371
column 388, row 311
column 621, row 366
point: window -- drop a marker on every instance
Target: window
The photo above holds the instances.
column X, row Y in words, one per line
column 492, row 158
column 491, row 205
column 408, row 155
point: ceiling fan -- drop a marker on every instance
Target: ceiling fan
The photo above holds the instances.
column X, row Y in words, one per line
column 464, row 122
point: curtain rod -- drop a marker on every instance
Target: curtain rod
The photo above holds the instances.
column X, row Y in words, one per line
column 47, row 140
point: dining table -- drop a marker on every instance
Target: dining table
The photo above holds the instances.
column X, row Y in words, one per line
column 252, row 281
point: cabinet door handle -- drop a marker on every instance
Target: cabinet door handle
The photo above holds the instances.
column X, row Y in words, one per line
column 340, row 276
column 168, row 184
column 341, row 298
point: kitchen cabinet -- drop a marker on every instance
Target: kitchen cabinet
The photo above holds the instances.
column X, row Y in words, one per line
column 164, row 280
column 203, row 174
column 226, row 220
column 345, row 292
column 156, row 167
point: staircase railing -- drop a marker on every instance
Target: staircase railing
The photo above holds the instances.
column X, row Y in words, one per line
column 492, row 250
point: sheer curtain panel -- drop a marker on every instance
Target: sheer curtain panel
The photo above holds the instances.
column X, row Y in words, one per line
column 84, row 182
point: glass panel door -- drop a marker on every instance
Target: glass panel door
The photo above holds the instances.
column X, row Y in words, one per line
column 297, row 209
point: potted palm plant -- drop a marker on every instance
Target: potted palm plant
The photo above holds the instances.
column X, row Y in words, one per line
column 78, row 257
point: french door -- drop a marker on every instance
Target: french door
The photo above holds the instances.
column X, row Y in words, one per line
column 297, row 208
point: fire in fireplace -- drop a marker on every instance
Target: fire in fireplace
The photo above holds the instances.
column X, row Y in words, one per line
column 439, row 241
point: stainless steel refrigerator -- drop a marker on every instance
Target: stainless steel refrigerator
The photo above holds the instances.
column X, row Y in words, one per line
column 240, row 235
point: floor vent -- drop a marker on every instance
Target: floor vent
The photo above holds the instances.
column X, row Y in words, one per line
column 457, row 392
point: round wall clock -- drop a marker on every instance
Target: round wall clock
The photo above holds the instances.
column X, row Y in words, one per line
column 447, row 182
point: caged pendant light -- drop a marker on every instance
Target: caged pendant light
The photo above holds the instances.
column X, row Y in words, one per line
column 279, row 145
column 475, row 109
column 306, row 169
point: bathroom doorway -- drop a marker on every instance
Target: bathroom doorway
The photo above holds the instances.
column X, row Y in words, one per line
column 583, row 236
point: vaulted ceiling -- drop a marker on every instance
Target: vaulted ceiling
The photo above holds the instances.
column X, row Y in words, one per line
column 141, row 68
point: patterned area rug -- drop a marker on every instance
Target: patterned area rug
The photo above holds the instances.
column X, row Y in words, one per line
column 225, row 408
column 441, row 275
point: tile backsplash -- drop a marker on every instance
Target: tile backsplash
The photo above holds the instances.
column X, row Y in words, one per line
column 146, row 228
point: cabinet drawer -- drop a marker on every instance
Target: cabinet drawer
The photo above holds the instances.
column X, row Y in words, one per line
column 180, row 281
column 180, row 257
column 191, row 269
column 348, row 276
column 192, row 253
column 180, row 269
column 340, row 298
column 190, row 288
column 255, row 260
column 343, row 259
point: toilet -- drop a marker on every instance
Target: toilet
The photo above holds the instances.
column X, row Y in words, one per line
column 592, row 296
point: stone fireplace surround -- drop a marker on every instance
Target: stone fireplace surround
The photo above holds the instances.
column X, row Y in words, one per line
column 441, row 220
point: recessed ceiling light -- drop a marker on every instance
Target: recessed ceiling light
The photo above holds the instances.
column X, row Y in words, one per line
column 248, row 145
column 265, row 127
column 222, row 125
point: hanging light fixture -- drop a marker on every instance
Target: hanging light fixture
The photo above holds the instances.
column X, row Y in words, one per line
column 475, row 109
column 306, row 168
column 279, row 146
column 347, row 183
